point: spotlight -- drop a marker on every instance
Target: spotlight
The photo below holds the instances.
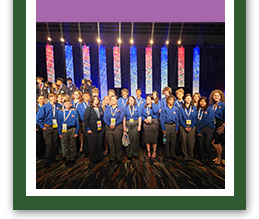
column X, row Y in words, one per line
column 119, row 40
column 131, row 41
column 151, row 41
column 62, row 40
column 49, row 39
column 80, row 40
column 167, row 42
column 179, row 42
column 98, row 40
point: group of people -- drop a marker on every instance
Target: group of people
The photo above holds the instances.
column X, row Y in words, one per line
column 185, row 121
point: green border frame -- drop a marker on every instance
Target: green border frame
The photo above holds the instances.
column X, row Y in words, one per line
column 21, row 202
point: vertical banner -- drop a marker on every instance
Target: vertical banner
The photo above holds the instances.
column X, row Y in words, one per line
column 50, row 63
column 181, row 66
column 86, row 62
column 149, row 89
column 102, row 71
column 164, row 68
column 133, row 70
column 69, row 62
column 117, row 66
column 196, row 69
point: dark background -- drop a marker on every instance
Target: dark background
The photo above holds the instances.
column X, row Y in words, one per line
column 212, row 67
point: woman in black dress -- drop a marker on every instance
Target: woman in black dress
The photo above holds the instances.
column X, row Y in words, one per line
column 95, row 129
column 217, row 100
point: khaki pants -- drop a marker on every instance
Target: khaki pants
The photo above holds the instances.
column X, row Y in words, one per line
column 188, row 142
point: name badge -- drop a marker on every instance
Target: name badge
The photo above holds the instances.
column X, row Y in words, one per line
column 113, row 121
column 55, row 123
column 64, row 127
column 99, row 125
column 131, row 120
column 188, row 122
column 149, row 118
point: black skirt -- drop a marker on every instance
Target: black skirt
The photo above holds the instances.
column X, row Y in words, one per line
column 150, row 130
column 219, row 138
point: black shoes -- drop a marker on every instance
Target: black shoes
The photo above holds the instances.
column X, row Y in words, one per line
column 47, row 164
column 173, row 158
column 70, row 163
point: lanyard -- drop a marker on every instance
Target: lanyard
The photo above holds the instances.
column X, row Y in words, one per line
column 85, row 105
column 148, row 111
column 97, row 112
column 200, row 114
column 139, row 101
column 114, row 111
column 214, row 108
column 131, row 114
column 76, row 104
column 65, row 118
column 122, row 100
column 188, row 114
column 54, row 111
column 178, row 103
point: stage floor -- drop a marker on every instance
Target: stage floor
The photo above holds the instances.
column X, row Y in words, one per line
column 138, row 173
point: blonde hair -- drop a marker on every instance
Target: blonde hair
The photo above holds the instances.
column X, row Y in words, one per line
column 65, row 97
column 111, row 91
column 103, row 102
column 81, row 100
column 222, row 97
column 52, row 94
column 124, row 90
column 179, row 91
column 95, row 90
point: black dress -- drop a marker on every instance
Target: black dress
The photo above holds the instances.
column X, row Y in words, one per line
column 96, row 138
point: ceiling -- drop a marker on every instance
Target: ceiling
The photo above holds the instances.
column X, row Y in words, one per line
column 191, row 33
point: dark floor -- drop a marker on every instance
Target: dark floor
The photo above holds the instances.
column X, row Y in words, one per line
column 130, row 174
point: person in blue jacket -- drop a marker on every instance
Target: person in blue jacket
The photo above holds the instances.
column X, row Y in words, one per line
column 68, row 129
column 156, row 99
column 217, row 100
column 94, row 125
column 179, row 94
column 113, row 118
column 141, row 103
column 106, row 104
column 81, row 111
column 205, row 129
column 132, row 124
column 187, row 119
column 195, row 99
column 124, row 97
column 140, row 100
column 166, row 91
column 46, row 118
column 170, row 126
column 150, row 114
column 40, row 144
